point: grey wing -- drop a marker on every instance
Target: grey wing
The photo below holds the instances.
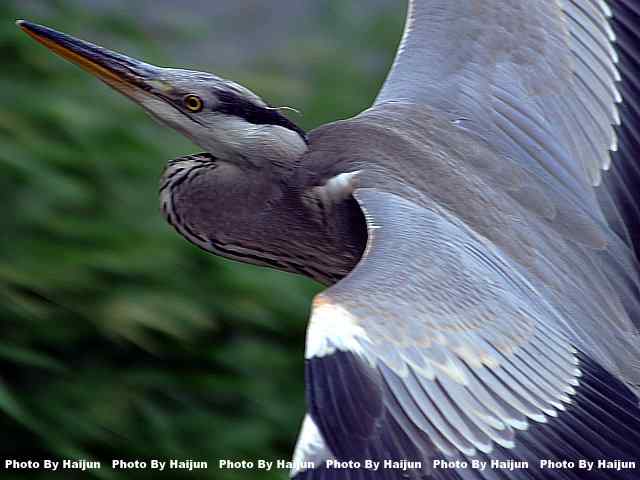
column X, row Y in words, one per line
column 543, row 82
column 435, row 348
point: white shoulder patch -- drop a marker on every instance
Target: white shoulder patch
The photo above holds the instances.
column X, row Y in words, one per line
column 337, row 188
column 332, row 328
column 310, row 451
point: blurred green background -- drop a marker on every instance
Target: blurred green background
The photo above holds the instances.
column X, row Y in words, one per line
column 119, row 340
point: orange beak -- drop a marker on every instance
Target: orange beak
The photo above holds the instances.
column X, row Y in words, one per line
column 119, row 71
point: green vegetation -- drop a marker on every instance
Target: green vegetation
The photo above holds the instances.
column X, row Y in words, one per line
column 119, row 340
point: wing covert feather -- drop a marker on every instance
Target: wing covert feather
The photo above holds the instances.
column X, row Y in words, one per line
column 435, row 347
column 495, row 312
column 549, row 83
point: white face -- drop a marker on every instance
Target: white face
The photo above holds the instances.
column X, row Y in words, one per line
column 236, row 139
column 160, row 110
column 222, row 117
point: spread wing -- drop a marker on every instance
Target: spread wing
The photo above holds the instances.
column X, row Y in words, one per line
column 436, row 348
column 495, row 322
column 553, row 84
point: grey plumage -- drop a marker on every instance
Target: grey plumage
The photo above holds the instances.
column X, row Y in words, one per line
column 200, row 193
column 477, row 225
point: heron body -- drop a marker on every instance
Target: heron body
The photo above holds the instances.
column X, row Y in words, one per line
column 477, row 228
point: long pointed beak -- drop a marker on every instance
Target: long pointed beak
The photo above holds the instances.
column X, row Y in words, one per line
column 123, row 73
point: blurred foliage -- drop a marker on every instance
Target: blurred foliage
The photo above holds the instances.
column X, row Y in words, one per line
column 118, row 338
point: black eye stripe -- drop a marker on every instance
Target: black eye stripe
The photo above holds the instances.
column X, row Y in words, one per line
column 232, row 104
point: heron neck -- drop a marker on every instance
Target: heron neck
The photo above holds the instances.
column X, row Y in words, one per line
column 257, row 146
column 319, row 242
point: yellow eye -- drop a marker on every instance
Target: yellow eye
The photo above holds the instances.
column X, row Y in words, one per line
column 193, row 103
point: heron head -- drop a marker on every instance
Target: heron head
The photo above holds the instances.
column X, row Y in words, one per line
column 221, row 116
column 235, row 200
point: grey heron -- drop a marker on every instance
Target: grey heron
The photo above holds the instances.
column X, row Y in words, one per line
column 477, row 228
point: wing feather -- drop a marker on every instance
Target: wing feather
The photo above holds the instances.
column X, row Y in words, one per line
column 562, row 74
column 495, row 313
column 453, row 354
